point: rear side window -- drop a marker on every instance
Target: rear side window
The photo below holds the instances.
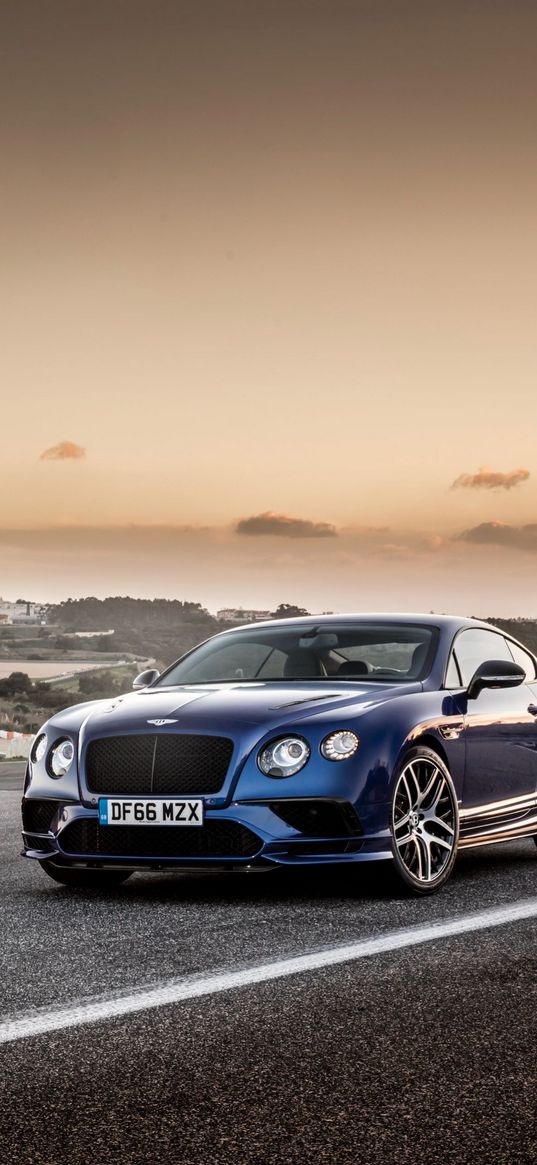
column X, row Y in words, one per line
column 474, row 647
column 523, row 658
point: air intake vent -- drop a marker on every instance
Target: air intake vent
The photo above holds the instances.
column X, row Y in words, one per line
column 216, row 839
column 318, row 818
column 38, row 815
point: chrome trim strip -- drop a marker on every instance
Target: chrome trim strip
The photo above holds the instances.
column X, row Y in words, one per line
column 509, row 805
column 500, row 833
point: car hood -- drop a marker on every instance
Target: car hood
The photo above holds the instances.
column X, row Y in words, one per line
column 217, row 707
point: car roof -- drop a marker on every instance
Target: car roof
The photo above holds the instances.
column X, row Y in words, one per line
column 430, row 619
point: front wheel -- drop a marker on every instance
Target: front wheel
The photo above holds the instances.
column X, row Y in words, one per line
column 424, row 822
column 85, row 879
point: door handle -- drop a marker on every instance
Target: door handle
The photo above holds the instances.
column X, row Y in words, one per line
column 533, row 709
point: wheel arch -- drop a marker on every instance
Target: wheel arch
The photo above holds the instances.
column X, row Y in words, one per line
column 427, row 740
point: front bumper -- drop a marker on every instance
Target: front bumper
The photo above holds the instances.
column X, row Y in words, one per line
column 293, row 831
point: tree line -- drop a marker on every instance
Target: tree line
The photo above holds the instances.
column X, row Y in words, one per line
column 160, row 628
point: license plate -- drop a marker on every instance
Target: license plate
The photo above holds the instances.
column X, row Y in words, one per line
column 146, row 812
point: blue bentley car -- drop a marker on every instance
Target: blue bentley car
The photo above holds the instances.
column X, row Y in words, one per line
column 338, row 738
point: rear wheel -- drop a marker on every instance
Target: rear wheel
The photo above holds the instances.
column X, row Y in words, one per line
column 424, row 822
column 85, row 879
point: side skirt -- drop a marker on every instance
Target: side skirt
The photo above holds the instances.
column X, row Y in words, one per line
column 506, row 831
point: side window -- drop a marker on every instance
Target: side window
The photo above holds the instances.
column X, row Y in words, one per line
column 453, row 679
column 474, row 647
column 523, row 658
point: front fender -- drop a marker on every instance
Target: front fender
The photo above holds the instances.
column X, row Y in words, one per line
column 385, row 732
column 431, row 718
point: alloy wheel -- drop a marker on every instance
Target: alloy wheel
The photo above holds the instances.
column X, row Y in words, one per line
column 424, row 821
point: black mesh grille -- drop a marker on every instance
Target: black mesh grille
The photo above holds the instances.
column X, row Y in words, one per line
column 37, row 815
column 163, row 763
column 318, row 818
column 214, row 839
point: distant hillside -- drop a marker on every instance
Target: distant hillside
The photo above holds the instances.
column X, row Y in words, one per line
column 158, row 629
column 165, row 628
column 161, row 628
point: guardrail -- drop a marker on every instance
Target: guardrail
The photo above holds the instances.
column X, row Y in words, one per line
column 14, row 744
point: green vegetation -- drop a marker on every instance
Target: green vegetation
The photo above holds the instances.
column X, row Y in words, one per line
column 143, row 629
column 24, row 705
column 159, row 628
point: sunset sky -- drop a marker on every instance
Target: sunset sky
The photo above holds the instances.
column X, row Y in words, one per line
column 269, row 287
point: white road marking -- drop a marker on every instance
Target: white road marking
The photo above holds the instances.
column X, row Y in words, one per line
column 179, row 990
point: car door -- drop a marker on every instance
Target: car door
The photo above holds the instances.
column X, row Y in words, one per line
column 500, row 730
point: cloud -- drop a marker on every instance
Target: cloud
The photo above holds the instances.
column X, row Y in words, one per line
column 387, row 542
column 489, row 479
column 64, row 451
column 432, row 542
column 502, row 534
column 398, row 571
column 284, row 527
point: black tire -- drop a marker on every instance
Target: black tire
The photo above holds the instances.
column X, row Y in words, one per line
column 423, row 863
column 85, row 879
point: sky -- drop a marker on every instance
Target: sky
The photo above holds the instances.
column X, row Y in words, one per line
column 269, row 276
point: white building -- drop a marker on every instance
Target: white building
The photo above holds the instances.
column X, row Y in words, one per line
column 20, row 612
column 240, row 615
column 87, row 634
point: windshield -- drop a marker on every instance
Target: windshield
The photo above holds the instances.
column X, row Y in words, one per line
column 354, row 651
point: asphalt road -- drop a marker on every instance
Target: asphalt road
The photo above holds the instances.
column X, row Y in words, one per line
column 12, row 775
column 409, row 1057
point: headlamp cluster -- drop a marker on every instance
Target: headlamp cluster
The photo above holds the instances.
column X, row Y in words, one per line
column 288, row 754
column 59, row 756
column 284, row 757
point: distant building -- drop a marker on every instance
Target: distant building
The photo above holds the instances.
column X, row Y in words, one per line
column 239, row 615
column 86, row 634
column 21, row 612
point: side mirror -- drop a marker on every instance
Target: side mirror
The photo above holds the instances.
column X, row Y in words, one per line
column 495, row 673
column 146, row 678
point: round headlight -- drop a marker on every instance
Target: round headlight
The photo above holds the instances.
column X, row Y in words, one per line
column 39, row 748
column 61, row 758
column 339, row 745
column 284, row 757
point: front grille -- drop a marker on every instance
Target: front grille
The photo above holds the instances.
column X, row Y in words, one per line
column 318, row 818
column 158, row 763
column 38, row 815
column 214, row 839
